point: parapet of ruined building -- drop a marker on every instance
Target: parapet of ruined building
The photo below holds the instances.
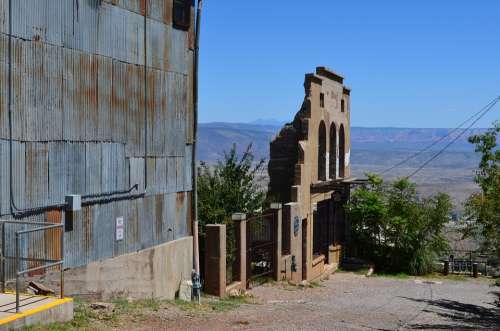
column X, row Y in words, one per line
column 314, row 147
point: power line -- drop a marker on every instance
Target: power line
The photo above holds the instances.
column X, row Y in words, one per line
column 455, row 139
column 414, row 155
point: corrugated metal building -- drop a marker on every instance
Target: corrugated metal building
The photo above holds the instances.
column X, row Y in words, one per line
column 101, row 100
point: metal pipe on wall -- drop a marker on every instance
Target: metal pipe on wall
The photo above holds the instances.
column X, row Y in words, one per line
column 196, row 251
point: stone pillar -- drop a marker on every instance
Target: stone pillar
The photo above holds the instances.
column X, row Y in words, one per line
column 295, row 219
column 215, row 259
column 240, row 225
column 276, row 208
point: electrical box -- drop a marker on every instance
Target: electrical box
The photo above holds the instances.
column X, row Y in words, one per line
column 74, row 202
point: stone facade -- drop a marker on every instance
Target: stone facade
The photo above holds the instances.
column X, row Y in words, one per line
column 311, row 151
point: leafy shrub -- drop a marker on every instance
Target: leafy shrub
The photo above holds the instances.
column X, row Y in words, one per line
column 482, row 209
column 224, row 189
column 395, row 228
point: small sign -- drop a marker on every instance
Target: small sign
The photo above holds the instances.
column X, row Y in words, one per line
column 120, row 228
column 296, row 224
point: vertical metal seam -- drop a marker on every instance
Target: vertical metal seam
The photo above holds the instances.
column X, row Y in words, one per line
column 145, row 98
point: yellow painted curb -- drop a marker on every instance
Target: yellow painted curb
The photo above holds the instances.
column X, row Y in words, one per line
column 36, row 310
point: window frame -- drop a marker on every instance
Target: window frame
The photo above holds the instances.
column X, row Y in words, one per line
column 186, row 7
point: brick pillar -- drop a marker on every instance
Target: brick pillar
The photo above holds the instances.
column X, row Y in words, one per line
column 276, row 207
column 240, row 225
column 215, row 259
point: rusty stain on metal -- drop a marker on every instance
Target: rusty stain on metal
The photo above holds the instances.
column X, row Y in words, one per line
column 78, row 77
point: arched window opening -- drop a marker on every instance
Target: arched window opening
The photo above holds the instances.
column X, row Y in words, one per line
column 341, row 151
column 333, row 152
column 322, row 151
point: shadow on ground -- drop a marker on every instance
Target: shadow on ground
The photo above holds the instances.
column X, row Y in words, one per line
column 462, row 316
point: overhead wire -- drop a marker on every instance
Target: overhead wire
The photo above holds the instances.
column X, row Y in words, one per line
column 414, row 155
column 490, row 107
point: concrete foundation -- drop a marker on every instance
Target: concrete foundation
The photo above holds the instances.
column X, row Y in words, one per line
column 155, row 272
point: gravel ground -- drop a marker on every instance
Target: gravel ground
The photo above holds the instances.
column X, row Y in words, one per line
column 352, row 302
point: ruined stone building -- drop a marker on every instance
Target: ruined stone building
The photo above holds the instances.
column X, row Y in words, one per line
column 99, row 93
column 309, row 171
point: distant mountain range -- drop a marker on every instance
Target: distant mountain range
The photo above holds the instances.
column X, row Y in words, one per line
column 373, row 150
column 217, row 137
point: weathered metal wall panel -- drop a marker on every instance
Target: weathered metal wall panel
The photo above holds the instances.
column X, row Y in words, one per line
column 57, row 171
column 37, row 174
column 4, row 178
column 171, row 175
column 37, row 20
column 136, row 6
column 188, row 170
column 121, row 34
column 137, row 172
column 157, row 108
column 105, row 99
column 80, row 25
column 19, row 174
column 181, row 215
column 4, row 130
column 41, row 84
column 161, row 175
column 4, row 16
column 158, row 42
column 176, row 114
column 179, row 55
column 160, row 10
column 82, row 97
column 93, row 168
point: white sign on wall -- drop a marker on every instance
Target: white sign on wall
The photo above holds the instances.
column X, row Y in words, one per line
column 120, row 228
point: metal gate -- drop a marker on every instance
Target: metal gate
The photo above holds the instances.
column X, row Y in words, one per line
column 323, row 232
column 261, row 245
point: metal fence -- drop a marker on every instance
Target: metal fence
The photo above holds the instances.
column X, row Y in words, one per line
column 261, row 243
column 462, row 262
column 25, row 262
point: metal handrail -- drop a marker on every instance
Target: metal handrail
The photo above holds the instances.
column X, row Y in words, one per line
column 49, row 263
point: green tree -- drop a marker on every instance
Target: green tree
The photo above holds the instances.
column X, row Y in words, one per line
column 226, row 188
column 482, row 209
column 395, row 228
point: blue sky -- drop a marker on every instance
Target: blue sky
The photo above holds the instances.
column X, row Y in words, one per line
column 409, row 63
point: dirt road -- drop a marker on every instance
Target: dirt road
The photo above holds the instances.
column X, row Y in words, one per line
column 352, row 302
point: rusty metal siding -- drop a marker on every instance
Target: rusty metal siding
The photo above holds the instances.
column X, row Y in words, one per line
column 136, row 6
column 37, row 20
column 157, row 112
column 136, row 166
column 121, row 34
column 4, row 16
column 158, row 42
column 4, row 178
column 81, row 22
column 79, row 110
column 176, row 114
column 171, row 175
column 104, row 98
column 161, row 10
column 37, row 174
column 42, row 98
column 3, row 86
column 57, row 171
column 179, row 55
column 188, row 171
